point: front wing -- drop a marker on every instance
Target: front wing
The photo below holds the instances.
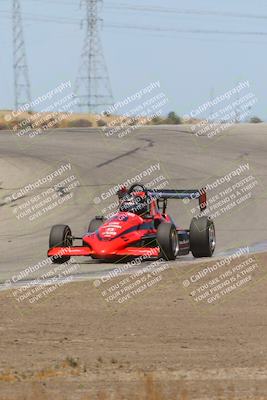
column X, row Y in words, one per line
column 87, row 251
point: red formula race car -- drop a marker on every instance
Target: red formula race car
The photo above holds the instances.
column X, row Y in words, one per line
column 140, row 228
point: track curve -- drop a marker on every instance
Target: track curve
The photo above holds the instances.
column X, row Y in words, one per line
column 99, row 164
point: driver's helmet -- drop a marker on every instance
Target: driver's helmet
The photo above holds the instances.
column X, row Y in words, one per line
column 134, row 204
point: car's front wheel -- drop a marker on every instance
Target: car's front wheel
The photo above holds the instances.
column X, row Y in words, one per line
column 167, row 239
column 60, row 236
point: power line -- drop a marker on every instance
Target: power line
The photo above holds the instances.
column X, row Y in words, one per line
column 168, row 10
column 159, row 9
column 42, row 18
column 148, row 28
column 181, row 30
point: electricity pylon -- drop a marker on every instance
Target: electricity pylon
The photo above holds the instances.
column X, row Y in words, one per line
column 21, row 72
column 93, row 87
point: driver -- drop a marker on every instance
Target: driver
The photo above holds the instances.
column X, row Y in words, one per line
column 134, row 204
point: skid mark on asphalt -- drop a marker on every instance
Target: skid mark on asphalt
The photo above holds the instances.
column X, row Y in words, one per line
column 149, row 143
column 128, row 153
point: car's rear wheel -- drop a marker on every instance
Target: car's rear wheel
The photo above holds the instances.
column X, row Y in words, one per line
column 60, row 236
column 202, row 237
column 167, row 239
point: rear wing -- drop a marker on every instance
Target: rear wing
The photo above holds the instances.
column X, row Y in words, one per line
column 190, row 194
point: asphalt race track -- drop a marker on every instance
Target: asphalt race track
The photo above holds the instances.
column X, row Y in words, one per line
column 99, row 163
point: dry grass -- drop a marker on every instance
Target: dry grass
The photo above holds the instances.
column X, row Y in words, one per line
column 147, row 389
column 69, row 367
column 71, row 120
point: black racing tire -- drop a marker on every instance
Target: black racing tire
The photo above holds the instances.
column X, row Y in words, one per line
column 95, row 224
column 60, row 236
column 202, row 237
column 167, row 239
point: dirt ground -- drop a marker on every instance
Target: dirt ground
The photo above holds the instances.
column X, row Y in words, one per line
column 162, row 343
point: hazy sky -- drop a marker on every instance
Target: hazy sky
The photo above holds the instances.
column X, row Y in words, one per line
column 187, row 65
